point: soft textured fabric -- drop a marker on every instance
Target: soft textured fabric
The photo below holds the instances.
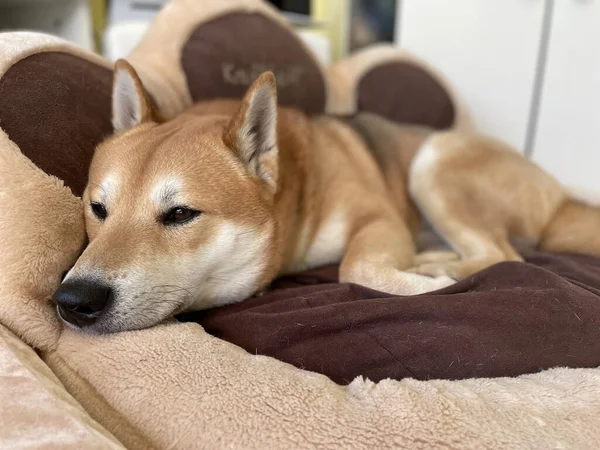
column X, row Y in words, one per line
column 41, row 234
column 46, row 88
column 199, row 57
column 222, row 58
column 61, row 95
column 508, row 320
column 396, row 84
column 418, row 98
column 36, row 411
column 186, row 389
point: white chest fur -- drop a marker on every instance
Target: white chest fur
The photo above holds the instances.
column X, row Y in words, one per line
column 327, row 247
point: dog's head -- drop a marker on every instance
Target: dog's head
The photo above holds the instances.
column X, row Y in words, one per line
column 179, row 213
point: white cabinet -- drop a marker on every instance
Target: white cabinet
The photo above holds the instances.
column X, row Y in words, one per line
column 488, row 49
column 567, row 139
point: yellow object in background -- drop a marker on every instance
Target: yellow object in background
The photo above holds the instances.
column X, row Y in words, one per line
column 335, row 14
column 99, row 12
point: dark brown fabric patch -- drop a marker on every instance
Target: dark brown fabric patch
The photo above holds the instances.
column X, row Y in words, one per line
column 56, row 107
column 508, row 320
column 224, row 56
column 406, row 94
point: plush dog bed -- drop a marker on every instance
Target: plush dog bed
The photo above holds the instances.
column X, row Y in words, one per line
column 176, row 386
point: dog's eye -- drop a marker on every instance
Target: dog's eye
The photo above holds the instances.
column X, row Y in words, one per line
column 99, row 210
column 179, row 215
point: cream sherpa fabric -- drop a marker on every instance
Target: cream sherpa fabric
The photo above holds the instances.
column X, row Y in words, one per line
column 185, row 389
column 37, row 411
column 42, row 234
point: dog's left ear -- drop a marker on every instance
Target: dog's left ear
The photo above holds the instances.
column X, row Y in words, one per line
column 131, row 104
column 252, row 132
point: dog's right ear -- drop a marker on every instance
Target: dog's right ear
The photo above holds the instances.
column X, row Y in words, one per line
column 252, row 131
column 131, row 104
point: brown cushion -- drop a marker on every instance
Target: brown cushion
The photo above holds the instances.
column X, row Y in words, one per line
column 405, row 93
column 56, row 107
column 510, row 319
column 223, row 56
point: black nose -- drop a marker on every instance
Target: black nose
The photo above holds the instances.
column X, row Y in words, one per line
column 81, row 302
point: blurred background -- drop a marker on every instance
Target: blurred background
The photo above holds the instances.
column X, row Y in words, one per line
column 528, row 70
column 112, row 27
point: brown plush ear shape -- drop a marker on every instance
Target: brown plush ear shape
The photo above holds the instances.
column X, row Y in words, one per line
column 131, row 104
column 252, row 132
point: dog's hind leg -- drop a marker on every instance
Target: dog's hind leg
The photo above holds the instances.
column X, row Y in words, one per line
column 478, row 243
column 377, row 255
column 466, row 190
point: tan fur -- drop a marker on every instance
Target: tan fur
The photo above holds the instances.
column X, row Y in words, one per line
column 481, row 195
column 280, row 192
column 573, row 229
column 393, row 147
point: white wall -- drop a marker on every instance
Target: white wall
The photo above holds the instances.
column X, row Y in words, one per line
column 567, row 142
column 488, row 49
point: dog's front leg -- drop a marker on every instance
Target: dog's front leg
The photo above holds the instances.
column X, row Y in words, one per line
column 377, row 255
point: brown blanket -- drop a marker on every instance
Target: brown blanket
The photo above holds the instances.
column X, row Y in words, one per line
column 508, row 320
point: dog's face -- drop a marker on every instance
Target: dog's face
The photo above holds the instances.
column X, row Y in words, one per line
column 179, row 214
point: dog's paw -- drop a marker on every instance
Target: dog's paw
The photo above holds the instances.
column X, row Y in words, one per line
column 421, row 284
column 441, row 281
column 435, row 256
column 435, row 270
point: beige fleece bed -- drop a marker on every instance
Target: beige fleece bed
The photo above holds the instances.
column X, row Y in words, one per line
column 175, row 386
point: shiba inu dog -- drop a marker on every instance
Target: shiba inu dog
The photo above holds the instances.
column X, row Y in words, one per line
column 207, row 208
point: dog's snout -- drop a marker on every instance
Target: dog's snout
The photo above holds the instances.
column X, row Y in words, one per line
column 81, row 302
